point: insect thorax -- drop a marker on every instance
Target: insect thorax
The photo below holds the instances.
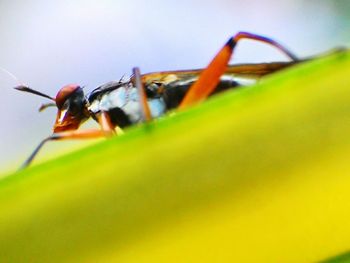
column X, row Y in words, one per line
column 121, row 101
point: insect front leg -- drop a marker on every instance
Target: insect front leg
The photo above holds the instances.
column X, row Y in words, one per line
column 210, row 77
column 107, row 130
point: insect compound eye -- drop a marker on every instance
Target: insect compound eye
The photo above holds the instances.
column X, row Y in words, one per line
column 67, row 93
column 73, row 102
column 74, row 107
column 76, row 103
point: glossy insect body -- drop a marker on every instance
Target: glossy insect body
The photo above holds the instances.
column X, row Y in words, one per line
column 165, row 91
column 122, row 103
column 143, row 97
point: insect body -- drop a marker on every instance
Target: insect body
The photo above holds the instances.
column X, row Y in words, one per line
column 122, row 103
column 164, row 91
column 143, row 97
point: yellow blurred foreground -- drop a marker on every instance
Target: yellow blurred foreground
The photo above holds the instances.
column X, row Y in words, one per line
column 256, row 175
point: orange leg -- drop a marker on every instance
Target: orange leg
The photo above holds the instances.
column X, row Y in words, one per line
column 107, row 130
column 210, row 77
column 146, row 112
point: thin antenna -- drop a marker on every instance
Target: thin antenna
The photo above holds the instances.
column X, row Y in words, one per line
column 23, row 87
column 11, row 75
column 27, row 89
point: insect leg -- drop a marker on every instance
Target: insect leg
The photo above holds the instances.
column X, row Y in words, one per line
column 84, row 134
column 107, row 130
column 146, row 112
column 210, row 76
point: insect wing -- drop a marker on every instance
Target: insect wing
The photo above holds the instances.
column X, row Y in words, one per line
column 248, row 71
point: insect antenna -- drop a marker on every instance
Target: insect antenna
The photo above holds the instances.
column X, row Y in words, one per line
column 22, row 87
column 29, row 90
column 10, row 74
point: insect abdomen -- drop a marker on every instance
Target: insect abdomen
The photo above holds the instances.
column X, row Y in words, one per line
column 174, row 92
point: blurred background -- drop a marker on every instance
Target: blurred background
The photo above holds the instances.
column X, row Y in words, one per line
column 48, row 44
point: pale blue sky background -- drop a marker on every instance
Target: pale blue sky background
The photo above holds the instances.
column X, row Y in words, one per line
column 48, row 44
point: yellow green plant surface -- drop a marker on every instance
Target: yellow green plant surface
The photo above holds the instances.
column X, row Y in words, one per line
column 260, row 174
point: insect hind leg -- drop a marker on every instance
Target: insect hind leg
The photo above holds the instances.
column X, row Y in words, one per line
column 210, row 76
column 266, row 40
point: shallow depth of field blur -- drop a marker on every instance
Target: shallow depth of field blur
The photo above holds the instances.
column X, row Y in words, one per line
column 49, row 44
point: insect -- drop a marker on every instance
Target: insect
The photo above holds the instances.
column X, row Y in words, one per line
column 144, row 97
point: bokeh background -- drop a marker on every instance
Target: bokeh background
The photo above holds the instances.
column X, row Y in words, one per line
column 48, row 44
